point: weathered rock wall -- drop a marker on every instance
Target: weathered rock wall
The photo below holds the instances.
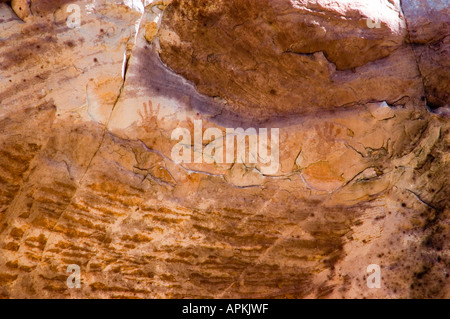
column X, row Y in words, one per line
column 87, row 174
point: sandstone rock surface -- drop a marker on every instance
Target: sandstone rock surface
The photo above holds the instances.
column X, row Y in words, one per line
column 359, row 93
column 429, row 26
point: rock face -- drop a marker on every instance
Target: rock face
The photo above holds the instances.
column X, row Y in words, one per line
column 354, row 96
column 292, row 57
column 429, row 33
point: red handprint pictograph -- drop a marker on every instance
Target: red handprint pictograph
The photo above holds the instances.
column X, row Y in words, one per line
column 327, row 136
column 149, row 117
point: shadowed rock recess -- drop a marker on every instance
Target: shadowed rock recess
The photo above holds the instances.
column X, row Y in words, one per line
column 359, row 91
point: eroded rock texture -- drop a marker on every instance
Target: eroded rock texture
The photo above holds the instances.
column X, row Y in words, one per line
column 359, row 92
column 428, row 32
column 292, row 57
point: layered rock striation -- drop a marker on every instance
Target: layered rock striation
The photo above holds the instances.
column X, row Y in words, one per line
column 89, row 103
